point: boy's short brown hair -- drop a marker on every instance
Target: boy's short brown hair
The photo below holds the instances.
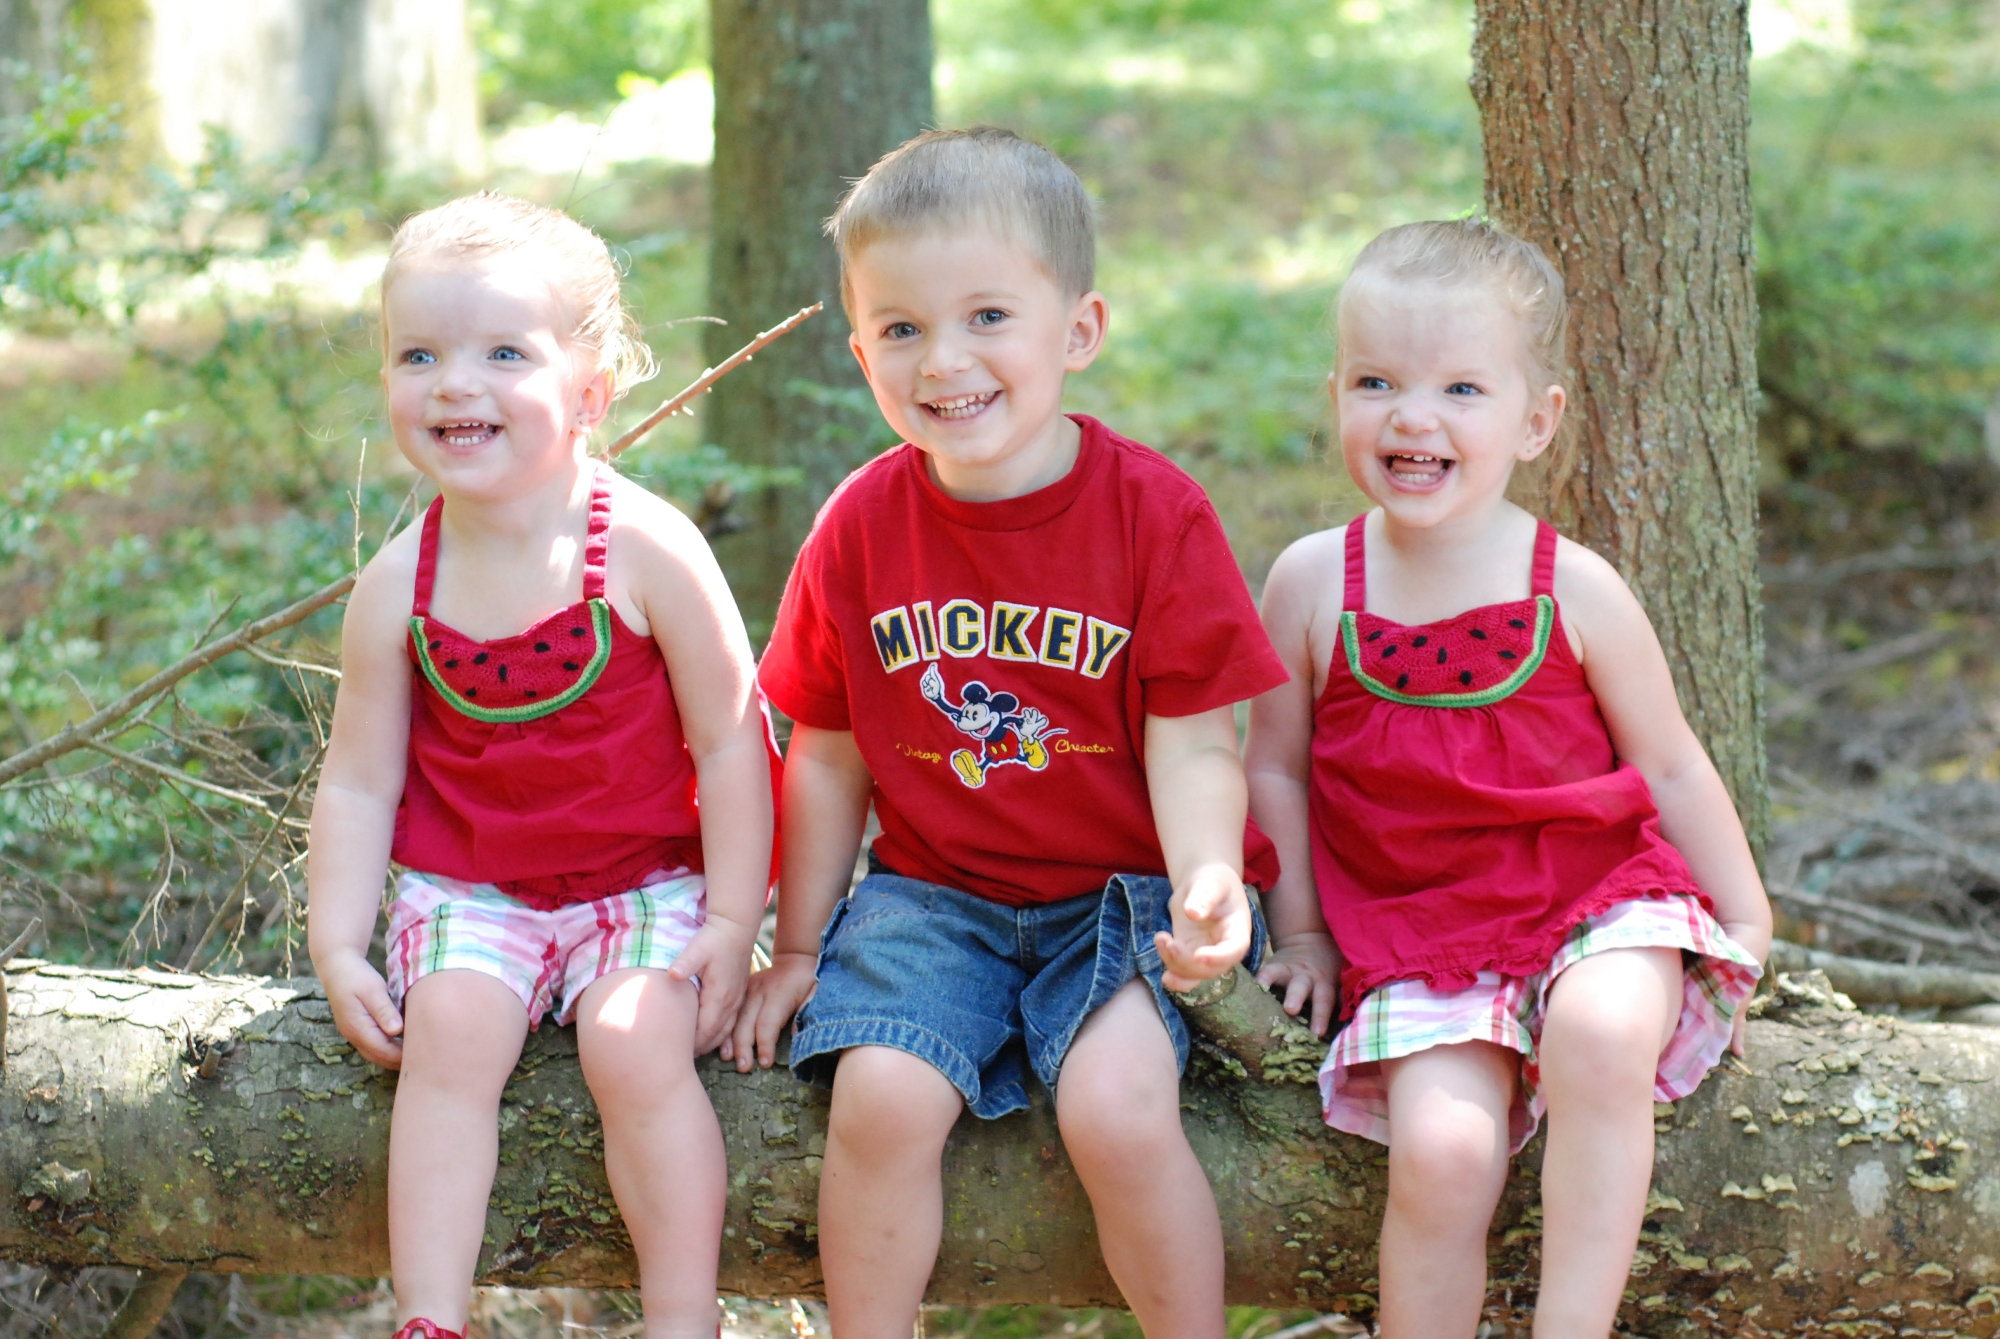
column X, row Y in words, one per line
column 986, row 175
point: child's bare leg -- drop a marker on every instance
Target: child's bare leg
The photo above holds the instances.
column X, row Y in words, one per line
column 462, row 1033
column 1447, row 1163
column 881, row 1196
column 1609, row 1016
column 662, row 1147
column 1118, row 1102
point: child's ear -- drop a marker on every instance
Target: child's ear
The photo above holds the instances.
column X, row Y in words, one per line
column 1088, row 322
column 860, row 354
column 1543, row 421
column 594, row 400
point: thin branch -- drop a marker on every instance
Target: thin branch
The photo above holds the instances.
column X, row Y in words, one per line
column 710, row 377
column 301, row 666
column 1980, row 859
column 306, row 773
column 1873, row 920
column 1870, row 982
column 1800, row 698
column 1901, row 558
column 84, row 732
column 179, row 777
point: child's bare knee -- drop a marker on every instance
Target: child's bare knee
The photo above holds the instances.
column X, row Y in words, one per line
column 1446, row 1167
column 890, row 1105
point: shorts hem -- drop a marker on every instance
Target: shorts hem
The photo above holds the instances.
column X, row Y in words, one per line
column 816, row 1049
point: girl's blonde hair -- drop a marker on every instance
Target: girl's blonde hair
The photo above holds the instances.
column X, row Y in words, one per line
column 573, row 259
column 1474, row 251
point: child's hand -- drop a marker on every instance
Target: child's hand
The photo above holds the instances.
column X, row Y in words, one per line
column 719, row 957
column 362, row 1010
column 1211, row 928
column 774, row 995
column 1308, row 967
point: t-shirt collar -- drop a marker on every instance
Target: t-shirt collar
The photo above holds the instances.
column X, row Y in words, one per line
column 1016, row 513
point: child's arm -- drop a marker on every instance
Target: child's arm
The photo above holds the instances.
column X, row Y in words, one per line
column 354, row 811
column 1278, row 763
column 1627, row 671
column 1195, row 780
column 827, row 787
column 676, row 581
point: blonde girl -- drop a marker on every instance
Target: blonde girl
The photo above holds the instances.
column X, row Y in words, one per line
column 1539, row 894
column 537, row 679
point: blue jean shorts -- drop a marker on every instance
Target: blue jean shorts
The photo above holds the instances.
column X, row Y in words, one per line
column 974, row 987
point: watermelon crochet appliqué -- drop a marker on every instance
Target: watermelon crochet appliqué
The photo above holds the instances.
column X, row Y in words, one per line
column 1473, row 660
column 517, row 678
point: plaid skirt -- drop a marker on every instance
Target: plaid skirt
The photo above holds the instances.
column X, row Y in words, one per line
column 1404, row 1017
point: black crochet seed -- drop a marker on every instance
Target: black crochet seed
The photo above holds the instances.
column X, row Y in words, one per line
column 479, row 659
column 1441, row 655
column 1375, row 634
column 570, row 665
column 1516, row 623
column 1465, row 677
column 451, row 664
column 472, row 692
column 435, row 643
column 1388, row 650
column 503, row 674
column 1508, row 655
column 578, row 632
column 1479, row 634
column 541, row 646
column 1418, row 641
column 530, row 692
column 1402, row 681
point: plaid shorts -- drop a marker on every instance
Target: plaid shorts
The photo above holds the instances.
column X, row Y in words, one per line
column 547, row 958
column 1404, row 1017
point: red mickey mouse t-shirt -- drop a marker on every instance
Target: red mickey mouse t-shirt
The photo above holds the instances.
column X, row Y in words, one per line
column 996, row 662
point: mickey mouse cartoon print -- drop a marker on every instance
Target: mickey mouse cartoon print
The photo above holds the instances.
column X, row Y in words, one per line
column 1004, row 732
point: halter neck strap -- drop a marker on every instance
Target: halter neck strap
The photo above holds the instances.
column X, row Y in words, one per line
column 1356, row 566
column 1543, row 582
column 596, row 545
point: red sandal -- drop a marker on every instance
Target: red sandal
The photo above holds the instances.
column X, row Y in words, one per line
column 421, row 1328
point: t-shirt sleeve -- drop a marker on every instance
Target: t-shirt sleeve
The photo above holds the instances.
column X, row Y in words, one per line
column 802, row 671
column 1201, row 643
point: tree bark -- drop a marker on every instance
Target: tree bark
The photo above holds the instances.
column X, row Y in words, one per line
column 808, row 94
column 1617, row 137
column 160, row 1121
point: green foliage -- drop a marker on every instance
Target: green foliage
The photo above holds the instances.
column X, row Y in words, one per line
column 574, row 53
column 1879, row 238
column 40, row 152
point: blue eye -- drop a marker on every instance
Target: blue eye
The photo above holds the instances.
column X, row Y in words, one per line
column 418, row 357
column 988, row 316
column 1462, row 388
column 507, row 353
column 1371, row 384
column 900, row 330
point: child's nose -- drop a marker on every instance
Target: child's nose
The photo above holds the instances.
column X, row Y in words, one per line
column 943, row 357
column 458, row 377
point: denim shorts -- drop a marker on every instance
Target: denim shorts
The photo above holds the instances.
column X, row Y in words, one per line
column 974, row 987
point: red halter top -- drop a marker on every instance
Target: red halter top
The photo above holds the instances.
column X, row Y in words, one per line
column 579, row 789
column 1456, row 832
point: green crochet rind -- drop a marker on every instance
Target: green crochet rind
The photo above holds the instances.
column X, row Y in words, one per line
column 600, row 623
column 1545, row 620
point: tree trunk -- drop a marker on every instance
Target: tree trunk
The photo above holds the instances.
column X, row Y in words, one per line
column 808, row 94
column 158, row 1121
column 1617, row 137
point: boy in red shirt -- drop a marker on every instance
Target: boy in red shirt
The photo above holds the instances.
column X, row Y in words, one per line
column 1021, row 636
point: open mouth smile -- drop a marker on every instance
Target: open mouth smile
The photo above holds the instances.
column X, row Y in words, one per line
column 1416, row 469
column 469, row 432
column 958, row 408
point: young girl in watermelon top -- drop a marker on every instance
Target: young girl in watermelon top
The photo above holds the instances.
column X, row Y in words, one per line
column 1539, row 893
column 536, row 679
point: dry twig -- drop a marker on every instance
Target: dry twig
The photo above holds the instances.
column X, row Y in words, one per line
column 709, row 377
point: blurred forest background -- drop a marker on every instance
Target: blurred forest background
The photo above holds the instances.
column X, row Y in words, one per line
column 190, row 431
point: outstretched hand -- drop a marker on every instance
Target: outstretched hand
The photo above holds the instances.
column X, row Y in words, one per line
column 773, row 996
column 363, row 1011
column 1211, row 928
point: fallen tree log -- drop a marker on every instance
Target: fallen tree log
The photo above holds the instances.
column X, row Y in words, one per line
column 163, row 1121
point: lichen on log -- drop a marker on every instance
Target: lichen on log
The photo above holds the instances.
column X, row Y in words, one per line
column 157, row 1120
